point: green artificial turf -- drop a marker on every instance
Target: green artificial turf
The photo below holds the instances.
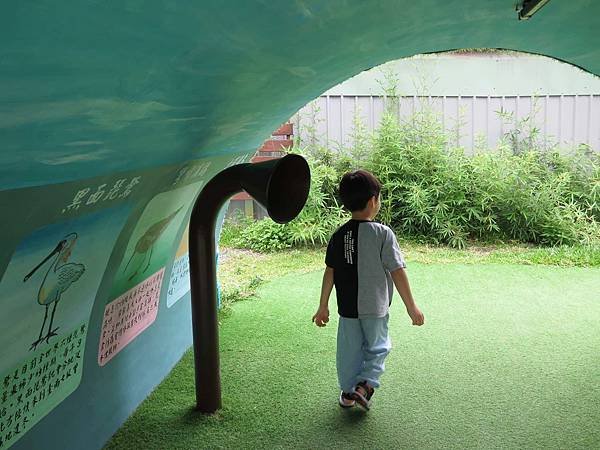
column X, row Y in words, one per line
column 509, row 357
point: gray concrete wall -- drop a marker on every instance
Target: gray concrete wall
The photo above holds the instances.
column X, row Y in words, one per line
column 474, row 74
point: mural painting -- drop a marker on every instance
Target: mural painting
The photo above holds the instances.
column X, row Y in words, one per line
column 135, row 294
column 46, row 297
column 179, row 283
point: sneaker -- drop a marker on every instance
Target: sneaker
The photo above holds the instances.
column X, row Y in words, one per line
column 346, row 400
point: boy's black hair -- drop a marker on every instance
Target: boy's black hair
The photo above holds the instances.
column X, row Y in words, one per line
column 356, row 188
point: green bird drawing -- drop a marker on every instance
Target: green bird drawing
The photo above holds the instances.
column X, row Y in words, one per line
column 145, row 244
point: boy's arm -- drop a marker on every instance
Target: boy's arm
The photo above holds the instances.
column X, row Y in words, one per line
column 321, row 317
column 393, row 261
column 401, row 283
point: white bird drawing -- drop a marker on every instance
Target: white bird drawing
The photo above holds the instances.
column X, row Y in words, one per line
column 59, row 277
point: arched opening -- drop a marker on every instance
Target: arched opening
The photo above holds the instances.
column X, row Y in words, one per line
column 484, row 341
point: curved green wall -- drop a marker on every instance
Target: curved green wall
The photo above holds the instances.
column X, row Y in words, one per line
column 114, row 114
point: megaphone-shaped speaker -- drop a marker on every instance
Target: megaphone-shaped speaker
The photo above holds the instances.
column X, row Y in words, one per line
column 280, row 185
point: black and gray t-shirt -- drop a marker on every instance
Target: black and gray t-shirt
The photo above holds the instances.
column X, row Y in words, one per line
column 362, row 254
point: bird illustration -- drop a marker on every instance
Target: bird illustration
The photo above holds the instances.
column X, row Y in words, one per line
column 59, row 277
column 146, row 242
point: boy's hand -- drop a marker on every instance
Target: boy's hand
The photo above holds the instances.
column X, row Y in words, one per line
column 321, row 317
column 416, row 315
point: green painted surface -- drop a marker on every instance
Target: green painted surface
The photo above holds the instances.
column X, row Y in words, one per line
column 151, row 243
column 109, row 104
column 90, row 88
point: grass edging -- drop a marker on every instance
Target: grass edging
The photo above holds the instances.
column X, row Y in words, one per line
column 241, row 272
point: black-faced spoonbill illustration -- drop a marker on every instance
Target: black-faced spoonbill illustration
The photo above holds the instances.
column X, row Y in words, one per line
column 59, row 277
column 146, row 242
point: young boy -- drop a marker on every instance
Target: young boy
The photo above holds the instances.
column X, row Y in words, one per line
column 364, row 262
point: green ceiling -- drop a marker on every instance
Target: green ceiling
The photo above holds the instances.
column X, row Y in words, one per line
column 90, row 88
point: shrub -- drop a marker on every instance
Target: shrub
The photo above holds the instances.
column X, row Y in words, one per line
column 441, row 195
column 264, row 236
column 425, row 189
column 433, row 192
column 322, row 214
column 232, row 228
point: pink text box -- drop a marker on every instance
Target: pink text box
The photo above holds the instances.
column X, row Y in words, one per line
column 128, row 315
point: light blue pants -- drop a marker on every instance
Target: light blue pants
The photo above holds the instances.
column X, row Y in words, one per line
column 362, row 345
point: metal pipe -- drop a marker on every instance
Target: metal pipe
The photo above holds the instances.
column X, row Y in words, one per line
column 281, row 186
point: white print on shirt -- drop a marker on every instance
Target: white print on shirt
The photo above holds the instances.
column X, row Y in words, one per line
column 348, row 246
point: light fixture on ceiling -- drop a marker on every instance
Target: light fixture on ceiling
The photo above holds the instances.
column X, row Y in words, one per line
column 530, row 7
